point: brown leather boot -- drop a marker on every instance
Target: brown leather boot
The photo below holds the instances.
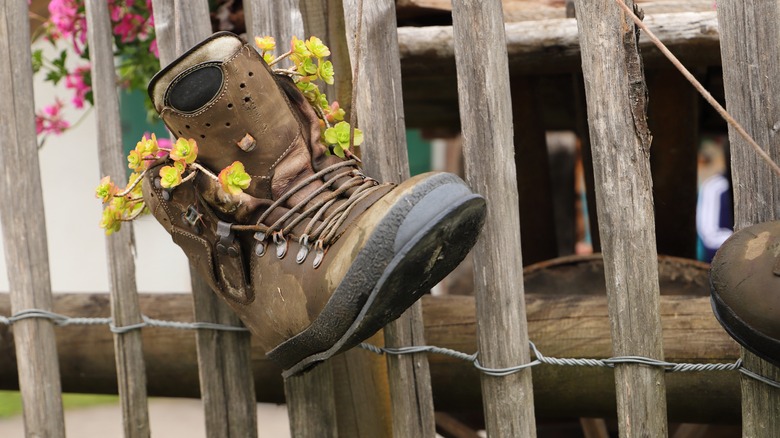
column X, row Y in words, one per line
column 745, row 283
column 314, row 257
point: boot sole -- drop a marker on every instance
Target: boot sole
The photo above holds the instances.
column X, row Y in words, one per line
column 430, row 237
column 756, row 342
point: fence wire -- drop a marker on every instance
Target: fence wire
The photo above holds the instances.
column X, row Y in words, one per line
column 62, row 320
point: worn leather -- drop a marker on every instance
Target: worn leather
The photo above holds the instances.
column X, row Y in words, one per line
column 275, row 295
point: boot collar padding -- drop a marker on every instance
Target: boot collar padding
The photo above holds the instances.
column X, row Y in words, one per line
column 218, row 48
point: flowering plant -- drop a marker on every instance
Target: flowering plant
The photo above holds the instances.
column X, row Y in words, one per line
column 180, row 157
column 136, row 48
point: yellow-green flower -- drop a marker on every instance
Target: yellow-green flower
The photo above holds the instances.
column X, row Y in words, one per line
column 299, row 50
column 317, row 48
column 185, row 150
column 147, row 147
column 135, row 161
column 234, row 179
column 111, row 220
column 325, row 72
column 106, row 189
column 137, row 191
column 266, row 43
column 170, row 176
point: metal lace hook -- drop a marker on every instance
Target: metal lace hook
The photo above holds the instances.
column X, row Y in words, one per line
column 281, row 244
column 304, row 250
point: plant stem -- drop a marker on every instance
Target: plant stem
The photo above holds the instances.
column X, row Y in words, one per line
column 209, row 173
column 280, row 58
column 132, row 186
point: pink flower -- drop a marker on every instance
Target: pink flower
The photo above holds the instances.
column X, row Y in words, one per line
column 50, row 121
column 129, row 27
column 153, row 48
column 69, row 21
column 75, row 81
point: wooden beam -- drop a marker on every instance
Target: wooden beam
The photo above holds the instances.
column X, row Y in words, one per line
column 225, row 373
column 562, row 325
column 532, row 10
column 24, row 227
column 620, row 138
column 380, row 115
column 751, row 76
column 488, row 149
column 119, row 246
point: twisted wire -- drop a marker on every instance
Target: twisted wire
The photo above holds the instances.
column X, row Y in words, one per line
column 539, row 357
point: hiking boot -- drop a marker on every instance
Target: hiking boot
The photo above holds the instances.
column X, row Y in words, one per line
column 314, row 256
column 745, row 283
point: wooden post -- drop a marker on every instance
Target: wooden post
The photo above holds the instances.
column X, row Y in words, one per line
column 128, row 348
column 223, row 357
column 311, row 397
column 381, row 116
column 616, row 96
column 488, row 147
column 750, row 30
column 24, row 228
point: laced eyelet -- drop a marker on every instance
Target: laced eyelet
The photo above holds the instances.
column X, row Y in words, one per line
column 260, row 247
column 281, row 244
column 304, row 251
column 319, row 254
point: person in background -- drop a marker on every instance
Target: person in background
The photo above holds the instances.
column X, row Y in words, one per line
column 714, row 209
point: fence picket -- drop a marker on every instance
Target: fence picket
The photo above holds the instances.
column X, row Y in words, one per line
column 488, row 147
column 615, row 92
column 749, row 32
column 380, row 112
column 226, row 379
column 125, row 311
column 24, row 228
column 310, row 398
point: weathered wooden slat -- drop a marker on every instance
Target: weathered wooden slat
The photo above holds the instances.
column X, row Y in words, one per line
column 620, row 139
column 225, row 365
column 488, row 148
column 128, row 349
column 24, row 228
column 563, row 325
column 311, row 398
column 381, row 117
column 751, row 74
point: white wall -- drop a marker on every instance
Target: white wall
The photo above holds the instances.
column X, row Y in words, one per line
column 77, row 253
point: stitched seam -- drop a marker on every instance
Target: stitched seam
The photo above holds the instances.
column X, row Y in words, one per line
column 284, row 154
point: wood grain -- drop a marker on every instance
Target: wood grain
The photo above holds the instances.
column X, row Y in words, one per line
column 24, row 228
column 223, row 357
column 128, row 349
column 751, row 74
column 562, row 325
column 380, row 114
column 616, row 97
column 488, row 148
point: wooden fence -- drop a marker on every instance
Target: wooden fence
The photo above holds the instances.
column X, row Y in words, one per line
column 360, row 393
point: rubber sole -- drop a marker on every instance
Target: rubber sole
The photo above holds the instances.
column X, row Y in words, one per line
column 394, row 270
column 759, row 344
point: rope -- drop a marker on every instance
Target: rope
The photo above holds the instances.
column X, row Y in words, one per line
column 62, row 320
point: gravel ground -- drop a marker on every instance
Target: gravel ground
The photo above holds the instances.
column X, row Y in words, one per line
column 170, row 418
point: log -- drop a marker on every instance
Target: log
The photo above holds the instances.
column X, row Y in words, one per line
column 616, row 96
column 531, row 10
column 24, row 227
column 561, row 325
column 751, row 77
column 488, row 152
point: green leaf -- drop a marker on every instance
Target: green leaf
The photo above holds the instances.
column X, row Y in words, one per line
column 37, row 60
